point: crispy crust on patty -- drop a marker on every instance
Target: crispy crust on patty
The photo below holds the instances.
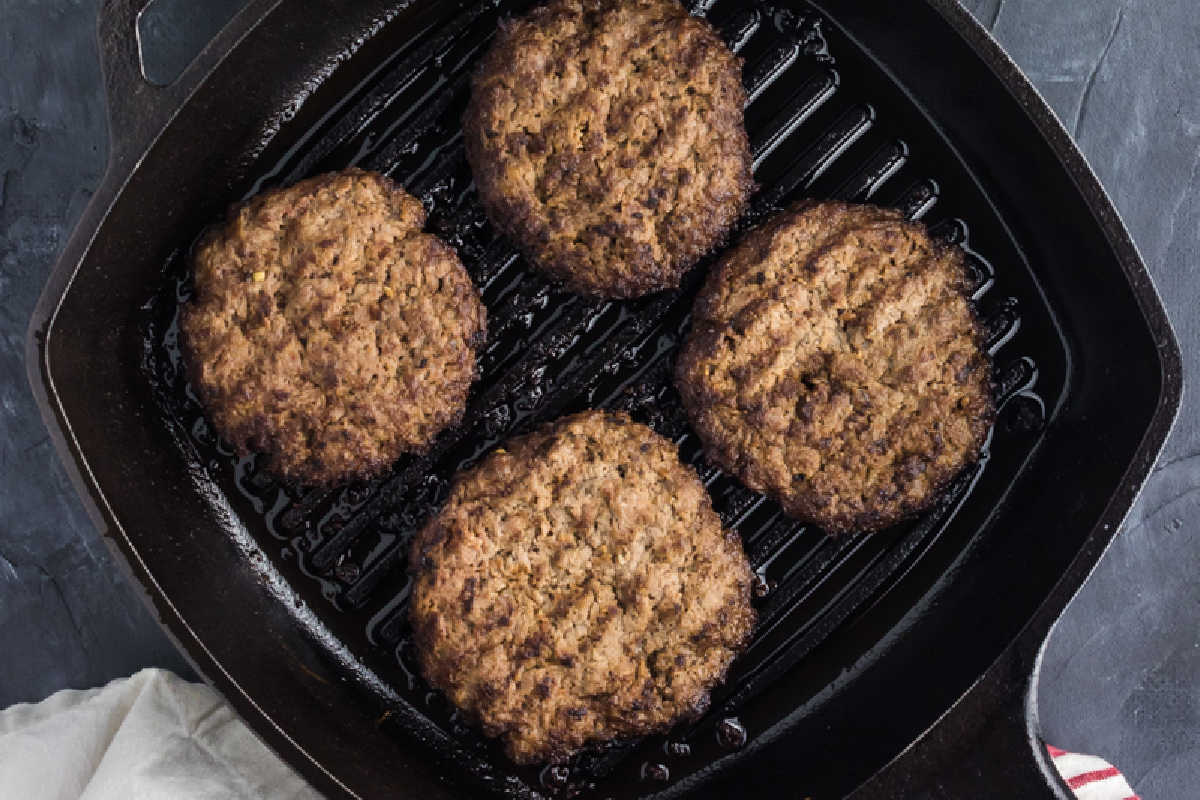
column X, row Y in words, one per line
column 328, row 331
column 578, row 587
column 607, row 140
column 836, row 364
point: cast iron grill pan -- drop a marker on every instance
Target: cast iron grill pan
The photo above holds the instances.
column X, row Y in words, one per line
column 824, row 121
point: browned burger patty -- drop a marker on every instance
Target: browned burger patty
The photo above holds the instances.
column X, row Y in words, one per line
column 836, row 364
column 607, row 141
column 578, row 587
column 328, row 331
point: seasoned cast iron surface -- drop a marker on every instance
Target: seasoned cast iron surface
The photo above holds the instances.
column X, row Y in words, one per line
column 825, row 122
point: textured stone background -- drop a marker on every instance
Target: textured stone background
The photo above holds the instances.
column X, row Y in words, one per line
column 1122, row 671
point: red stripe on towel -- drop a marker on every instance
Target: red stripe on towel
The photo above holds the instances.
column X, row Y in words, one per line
column 1093, row 776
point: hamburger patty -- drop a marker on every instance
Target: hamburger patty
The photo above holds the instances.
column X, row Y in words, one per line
column 578, row 587
column 328, row 331
column 607, row 141
column 836, row 364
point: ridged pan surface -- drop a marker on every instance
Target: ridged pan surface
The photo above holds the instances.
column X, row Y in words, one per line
column 824, row 122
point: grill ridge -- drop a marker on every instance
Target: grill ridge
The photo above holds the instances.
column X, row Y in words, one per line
column 550, row 352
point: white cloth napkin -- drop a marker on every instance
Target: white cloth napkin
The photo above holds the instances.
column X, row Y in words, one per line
column 149, row 737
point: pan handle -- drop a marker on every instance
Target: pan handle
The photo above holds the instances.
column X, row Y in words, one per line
column 986, row 746
column 137, row 109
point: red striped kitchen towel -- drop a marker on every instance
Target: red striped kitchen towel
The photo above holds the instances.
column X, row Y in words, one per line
column 1089, row 777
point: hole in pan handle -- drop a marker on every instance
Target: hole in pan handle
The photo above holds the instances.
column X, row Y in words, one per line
column 171, row 33
column 138, row 110
column 986, row 746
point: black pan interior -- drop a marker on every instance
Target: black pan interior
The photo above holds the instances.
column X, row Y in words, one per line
column 825, row 121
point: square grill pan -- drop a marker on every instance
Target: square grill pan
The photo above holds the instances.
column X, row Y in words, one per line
column 294, row 602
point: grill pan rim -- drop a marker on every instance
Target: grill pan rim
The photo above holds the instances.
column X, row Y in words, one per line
column 123, row 164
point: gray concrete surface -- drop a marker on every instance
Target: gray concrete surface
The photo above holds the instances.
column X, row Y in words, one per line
column 1121, row 676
